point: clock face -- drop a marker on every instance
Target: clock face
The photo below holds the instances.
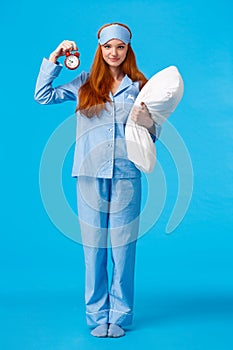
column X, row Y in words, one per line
column 72, row 62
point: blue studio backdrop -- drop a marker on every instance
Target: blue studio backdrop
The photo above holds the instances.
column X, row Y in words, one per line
column 184, row 277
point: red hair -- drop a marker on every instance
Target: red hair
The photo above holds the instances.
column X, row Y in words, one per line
column 94, row 93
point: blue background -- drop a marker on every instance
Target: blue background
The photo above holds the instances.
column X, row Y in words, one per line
column 184, row 281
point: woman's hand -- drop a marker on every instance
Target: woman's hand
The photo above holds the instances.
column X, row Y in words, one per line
column 141, row 116
column 63, row 47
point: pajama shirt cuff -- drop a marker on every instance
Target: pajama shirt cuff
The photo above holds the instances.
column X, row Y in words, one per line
column 50, row 68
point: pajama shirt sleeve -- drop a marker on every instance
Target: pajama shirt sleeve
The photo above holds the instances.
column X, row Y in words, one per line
column 45, row 93
column 158, row 130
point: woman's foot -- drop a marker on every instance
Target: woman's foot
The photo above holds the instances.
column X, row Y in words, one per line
column 100, row 331
column 115, row 331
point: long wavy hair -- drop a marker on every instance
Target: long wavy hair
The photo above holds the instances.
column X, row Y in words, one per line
column 94, row 93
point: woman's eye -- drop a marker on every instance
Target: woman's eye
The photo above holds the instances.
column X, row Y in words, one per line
column 121, row 47
column 106, row 46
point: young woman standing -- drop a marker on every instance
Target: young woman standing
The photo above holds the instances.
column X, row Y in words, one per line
column 108, row 184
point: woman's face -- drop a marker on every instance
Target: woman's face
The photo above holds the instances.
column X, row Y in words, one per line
column 114, row 52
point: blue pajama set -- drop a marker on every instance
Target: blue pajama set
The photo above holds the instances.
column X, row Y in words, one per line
column 108, row 195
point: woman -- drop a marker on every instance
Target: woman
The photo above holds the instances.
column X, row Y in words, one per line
column 108, row 184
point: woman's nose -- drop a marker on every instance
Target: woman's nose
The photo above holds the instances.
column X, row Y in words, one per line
column 114, row 51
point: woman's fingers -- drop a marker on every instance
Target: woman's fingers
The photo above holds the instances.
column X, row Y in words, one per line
column 141, row 116
column 135, row 113
column 74, row 45
column 65, row 46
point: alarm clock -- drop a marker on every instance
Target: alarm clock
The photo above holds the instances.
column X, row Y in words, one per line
column 72, row 60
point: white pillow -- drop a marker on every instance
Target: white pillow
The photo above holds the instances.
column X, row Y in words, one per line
column 140, row 147
column 161, row 94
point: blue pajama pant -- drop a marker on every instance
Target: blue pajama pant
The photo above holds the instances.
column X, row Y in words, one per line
column 108, row 211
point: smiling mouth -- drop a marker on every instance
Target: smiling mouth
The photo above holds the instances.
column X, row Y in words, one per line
column 113, row 59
